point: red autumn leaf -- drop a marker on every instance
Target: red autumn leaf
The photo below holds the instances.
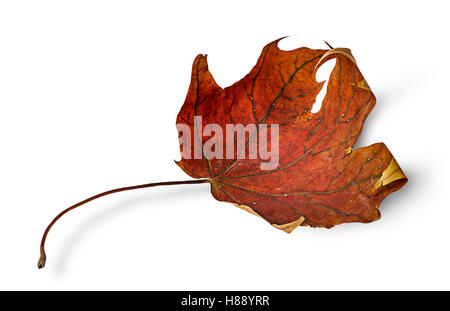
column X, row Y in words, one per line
column 320, row 181
column 317, row 180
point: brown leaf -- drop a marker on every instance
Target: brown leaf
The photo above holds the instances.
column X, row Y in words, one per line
column 320, row 181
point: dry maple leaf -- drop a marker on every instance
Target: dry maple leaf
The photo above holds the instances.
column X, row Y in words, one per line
column 320, row 180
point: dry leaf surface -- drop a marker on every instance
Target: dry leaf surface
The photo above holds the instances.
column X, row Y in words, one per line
column 320, row 181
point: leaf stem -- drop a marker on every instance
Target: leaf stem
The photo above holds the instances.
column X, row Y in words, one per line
column 43, row 257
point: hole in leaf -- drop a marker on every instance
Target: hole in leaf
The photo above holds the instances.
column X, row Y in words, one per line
column 323, row 74
column 294, row 42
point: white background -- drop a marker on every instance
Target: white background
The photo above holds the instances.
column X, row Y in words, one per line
column 89, row 92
